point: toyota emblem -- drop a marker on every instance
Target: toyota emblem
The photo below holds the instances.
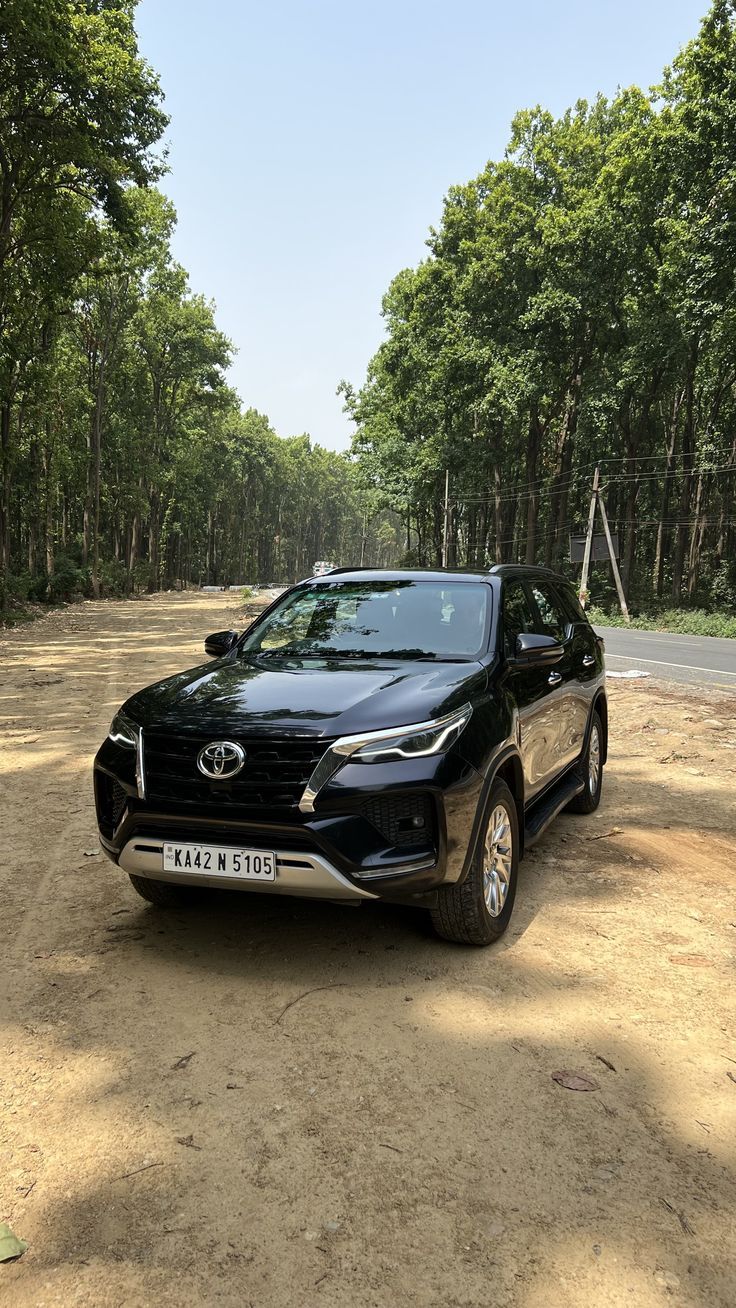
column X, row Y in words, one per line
column 221, row 760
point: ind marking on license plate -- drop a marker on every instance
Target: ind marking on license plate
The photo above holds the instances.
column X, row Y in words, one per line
column 219, row 860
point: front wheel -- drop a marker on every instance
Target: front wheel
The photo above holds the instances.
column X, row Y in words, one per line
column 591, row 767
column 478, row 911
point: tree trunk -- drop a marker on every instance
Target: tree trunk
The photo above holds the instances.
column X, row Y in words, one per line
column 664, row 504
column 627, row 563
column 554, row 541
column 497, row 514
column 696, row 541
column 534, row 445
column 5, row 421
column 154, row 527
column 48, row 530
column 688, row 451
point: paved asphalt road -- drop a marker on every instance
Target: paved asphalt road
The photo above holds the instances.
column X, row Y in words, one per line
column 689, row 660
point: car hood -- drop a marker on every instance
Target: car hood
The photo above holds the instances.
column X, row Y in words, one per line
column 235, row 696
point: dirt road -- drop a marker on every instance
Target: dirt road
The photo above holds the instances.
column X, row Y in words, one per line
column 172, row 1132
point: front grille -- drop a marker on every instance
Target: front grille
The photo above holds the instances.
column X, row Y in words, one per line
column 403, row 820
column 274, row 775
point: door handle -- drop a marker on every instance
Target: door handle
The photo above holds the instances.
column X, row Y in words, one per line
column 554, row 679
column 588, row 660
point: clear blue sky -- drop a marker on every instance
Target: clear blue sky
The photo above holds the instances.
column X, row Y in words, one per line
column 312, row 141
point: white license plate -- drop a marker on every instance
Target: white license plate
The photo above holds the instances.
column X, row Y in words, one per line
column 220, row 861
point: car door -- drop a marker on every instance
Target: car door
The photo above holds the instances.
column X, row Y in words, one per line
column 531, row 688
column 566, row 725
column 587, row 662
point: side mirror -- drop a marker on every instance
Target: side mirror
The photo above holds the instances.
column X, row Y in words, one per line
column 534, row 650
column 219, row 643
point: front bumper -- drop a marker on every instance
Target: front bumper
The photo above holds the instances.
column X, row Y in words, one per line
column 337, row 852
column 306, row 875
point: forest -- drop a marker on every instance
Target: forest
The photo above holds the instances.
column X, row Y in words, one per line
column 577, row 307
column 127, row 462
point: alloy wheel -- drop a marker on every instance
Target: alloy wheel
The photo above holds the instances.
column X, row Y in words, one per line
column 497, row 859
column 594, row 760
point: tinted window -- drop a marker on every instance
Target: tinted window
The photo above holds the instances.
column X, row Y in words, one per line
column 571, row 603
column 554, row 621
column 518, row 616
column 402, row 619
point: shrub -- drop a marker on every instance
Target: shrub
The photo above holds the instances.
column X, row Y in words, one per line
column 69, row 581
column 113, row 577
column 686, row 622
column 723, row 586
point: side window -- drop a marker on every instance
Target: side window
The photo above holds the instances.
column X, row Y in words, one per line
column 571, row 604
column 554, row 619
column 518, row 616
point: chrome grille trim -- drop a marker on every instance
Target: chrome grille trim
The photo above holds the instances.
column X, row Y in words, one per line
column 140, row 768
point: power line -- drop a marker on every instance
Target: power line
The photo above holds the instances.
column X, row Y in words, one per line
column 479, row 542
column 620, row 479
column 559, row 480
column 697, row 469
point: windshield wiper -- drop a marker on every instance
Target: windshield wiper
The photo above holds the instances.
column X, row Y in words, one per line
column 408, row 655
column 286, row 653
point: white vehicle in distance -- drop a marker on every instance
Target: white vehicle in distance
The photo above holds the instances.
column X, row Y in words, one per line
column 321, row 567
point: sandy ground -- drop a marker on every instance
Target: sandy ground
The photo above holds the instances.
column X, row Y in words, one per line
column 172, row 1133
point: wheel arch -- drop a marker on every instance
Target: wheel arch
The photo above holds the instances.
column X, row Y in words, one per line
column 507, row 767
column 600, row 706
column 510, row 771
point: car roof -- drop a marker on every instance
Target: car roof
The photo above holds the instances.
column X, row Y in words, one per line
column 500, row 570
column 403, row 574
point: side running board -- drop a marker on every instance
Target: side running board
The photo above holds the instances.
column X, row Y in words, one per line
column 539, row 818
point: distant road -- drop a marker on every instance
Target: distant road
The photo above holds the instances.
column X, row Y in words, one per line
column 689, row 660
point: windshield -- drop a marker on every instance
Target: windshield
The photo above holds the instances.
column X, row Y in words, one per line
column 392, row 619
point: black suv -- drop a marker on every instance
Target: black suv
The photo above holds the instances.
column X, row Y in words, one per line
column 400, row 735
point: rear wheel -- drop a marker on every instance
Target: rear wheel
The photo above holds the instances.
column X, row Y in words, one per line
column 478, row 911
column 165, row 894
column 591, row 767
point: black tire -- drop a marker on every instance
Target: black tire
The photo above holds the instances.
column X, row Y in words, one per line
column 462, row 913
column 590, row 796
column 164, row 894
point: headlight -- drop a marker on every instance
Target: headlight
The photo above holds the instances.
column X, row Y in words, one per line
column 415, row 742
column 123, row 731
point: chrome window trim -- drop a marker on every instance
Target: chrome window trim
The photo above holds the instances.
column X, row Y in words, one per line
column 337, row 755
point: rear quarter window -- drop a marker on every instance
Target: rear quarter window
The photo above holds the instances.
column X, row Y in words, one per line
column 571, row 604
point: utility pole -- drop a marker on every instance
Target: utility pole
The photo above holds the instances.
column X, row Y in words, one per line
column 583, row 593
column 614, row 564
column 446, row 527
column 597, row 499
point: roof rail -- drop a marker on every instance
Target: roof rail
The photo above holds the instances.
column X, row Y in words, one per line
column 357, row 567
column 522, row 567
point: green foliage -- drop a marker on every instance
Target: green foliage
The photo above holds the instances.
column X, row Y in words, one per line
column 577, row 305
column 123, row 451
column 689, row 622
column 723, row 586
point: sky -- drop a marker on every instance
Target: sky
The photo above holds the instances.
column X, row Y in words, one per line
column 312, row 141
